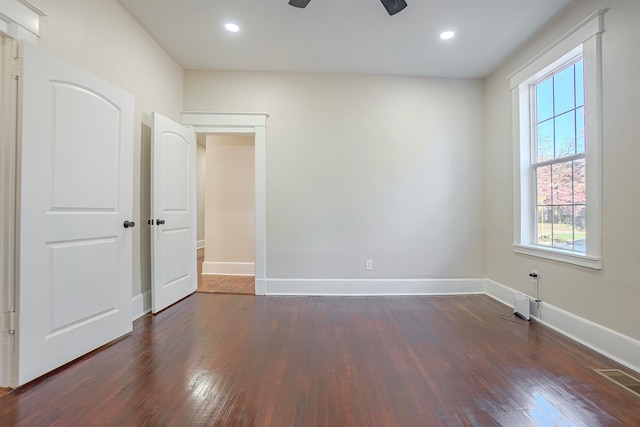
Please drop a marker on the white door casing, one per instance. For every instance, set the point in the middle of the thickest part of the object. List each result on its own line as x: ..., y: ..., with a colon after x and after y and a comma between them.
x: 173, y: 210
x: 243, y: 124
x: 76, y: 187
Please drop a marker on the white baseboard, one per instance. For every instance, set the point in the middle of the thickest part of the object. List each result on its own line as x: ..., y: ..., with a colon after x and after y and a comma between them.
x: 229, y: 268
x: 199, y: 244
x: 141, y: 304
x: 621, y: 348
x: 371, y: 287
x: 261, y: 286
x: 500, y: 292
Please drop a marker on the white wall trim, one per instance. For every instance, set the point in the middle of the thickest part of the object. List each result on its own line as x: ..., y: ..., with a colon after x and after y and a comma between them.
x: 248, y: 124
x: 373, y: 287
x: 590, y: 26
x: 583, y: 41
x: 8, y: 236
x: 233, y: 120
x: 200, y: 244
x: 559, y: 255
x: 228, y: 268
x: 614, y: 345
x: 20, y: 20
x: 141, y: 304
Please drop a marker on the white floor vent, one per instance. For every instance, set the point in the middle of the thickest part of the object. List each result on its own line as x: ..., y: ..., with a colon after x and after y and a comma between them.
x: 521, y: 306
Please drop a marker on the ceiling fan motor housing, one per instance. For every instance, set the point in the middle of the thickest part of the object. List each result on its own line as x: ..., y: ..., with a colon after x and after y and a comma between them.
x: 394, y: 6
x: 299, y: 3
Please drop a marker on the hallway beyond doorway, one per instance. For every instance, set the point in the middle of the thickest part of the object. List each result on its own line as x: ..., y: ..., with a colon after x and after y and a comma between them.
x: 216, y: 284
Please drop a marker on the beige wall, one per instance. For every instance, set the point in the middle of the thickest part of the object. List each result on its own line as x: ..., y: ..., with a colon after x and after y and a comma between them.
x: 386, y: 168
x: 201, y: 178
x: 230, y: 199
x: 101, y: 37
x: 608, y: 297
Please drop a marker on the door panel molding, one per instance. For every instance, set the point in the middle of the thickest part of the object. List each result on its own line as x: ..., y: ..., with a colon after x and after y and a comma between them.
x: 247, y: 124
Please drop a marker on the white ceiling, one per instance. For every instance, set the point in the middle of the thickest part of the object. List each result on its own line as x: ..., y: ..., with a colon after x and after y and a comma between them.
x: 346, y: 36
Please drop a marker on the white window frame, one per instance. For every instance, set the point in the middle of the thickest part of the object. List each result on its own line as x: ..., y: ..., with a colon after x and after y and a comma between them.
x: 583, y: 40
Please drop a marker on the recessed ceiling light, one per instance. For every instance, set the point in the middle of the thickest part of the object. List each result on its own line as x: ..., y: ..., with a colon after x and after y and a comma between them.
x: 230, y: 26
x: 446, y: 35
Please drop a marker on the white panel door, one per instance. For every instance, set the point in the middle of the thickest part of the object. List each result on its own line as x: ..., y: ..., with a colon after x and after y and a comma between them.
x: 76, y: 187
x: 173, y: 207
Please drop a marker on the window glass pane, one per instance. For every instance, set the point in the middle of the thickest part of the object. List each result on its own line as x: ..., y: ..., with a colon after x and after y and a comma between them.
x: 543, y: 184
x: 561, y: 182
x: 580, y: 145
x: 579, y: 83
x: 563, y: 91
x: 544, y: 231
x: 544, y: 100
x: 579, y: 189
x: 580, y: 235
x: 545, y: 141
x: 563, y: 227
x: 565, y: 133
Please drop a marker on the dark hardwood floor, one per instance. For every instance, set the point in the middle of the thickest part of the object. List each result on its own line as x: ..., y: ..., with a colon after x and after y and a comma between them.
x: 214, y: 284
x: 229, y: 360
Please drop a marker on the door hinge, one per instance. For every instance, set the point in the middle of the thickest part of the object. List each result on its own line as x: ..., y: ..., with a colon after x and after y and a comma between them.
x: 15, y: 67
x: 11, y: 322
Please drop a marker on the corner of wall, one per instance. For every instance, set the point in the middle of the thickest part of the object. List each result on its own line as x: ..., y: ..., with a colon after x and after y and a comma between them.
x: 141, y: 305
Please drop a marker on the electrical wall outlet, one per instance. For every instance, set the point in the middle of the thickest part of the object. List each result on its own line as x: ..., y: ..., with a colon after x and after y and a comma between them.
x: 533, y: 276
x: 368, y: 264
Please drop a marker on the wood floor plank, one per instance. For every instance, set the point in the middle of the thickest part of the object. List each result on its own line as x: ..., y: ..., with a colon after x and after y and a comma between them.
x: 219, y: 284
x: 222, y: 284
x: 231, y: 360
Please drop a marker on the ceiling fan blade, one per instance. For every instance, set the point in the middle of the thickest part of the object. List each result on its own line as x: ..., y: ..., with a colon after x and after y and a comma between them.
x: 392, y: 6
x: 299, y: 3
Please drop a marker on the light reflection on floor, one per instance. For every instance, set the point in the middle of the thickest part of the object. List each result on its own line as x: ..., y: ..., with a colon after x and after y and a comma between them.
x: 546, y: 414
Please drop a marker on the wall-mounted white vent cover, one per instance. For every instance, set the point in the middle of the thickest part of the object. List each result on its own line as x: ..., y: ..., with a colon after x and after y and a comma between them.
x: 521, y: 306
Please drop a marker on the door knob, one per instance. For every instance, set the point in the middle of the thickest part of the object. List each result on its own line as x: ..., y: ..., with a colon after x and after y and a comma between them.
x: 159, y: 221
x: 129, y: 224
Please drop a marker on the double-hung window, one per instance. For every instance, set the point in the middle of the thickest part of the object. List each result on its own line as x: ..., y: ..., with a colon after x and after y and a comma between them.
x: 558, y: 158
x: 557, y: 140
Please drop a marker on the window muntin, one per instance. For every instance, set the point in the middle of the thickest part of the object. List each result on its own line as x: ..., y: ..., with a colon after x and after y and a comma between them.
x: 558, y: 158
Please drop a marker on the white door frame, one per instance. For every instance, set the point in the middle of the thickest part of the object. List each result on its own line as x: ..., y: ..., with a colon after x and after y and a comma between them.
x: 244, y: 124
x: 19, y: 20
x: 8, y: 188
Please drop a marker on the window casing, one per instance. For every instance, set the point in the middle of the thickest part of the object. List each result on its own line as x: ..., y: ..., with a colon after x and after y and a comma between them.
x: 557, y: 149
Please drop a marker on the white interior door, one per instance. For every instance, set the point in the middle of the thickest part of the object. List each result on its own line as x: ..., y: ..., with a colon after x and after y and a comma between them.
x: 76, y: 187
x: 173, y: 206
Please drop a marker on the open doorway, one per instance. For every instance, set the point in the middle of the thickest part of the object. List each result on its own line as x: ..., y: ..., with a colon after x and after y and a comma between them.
x: 253, y: 124
x: 226, y: 213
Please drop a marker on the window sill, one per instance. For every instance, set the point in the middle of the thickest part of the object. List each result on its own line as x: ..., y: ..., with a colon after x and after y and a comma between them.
x: 559, y: 255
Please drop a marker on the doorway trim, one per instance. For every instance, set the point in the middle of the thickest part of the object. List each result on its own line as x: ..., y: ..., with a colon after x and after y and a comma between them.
x: 20, y: 20
x: 243, y: 124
